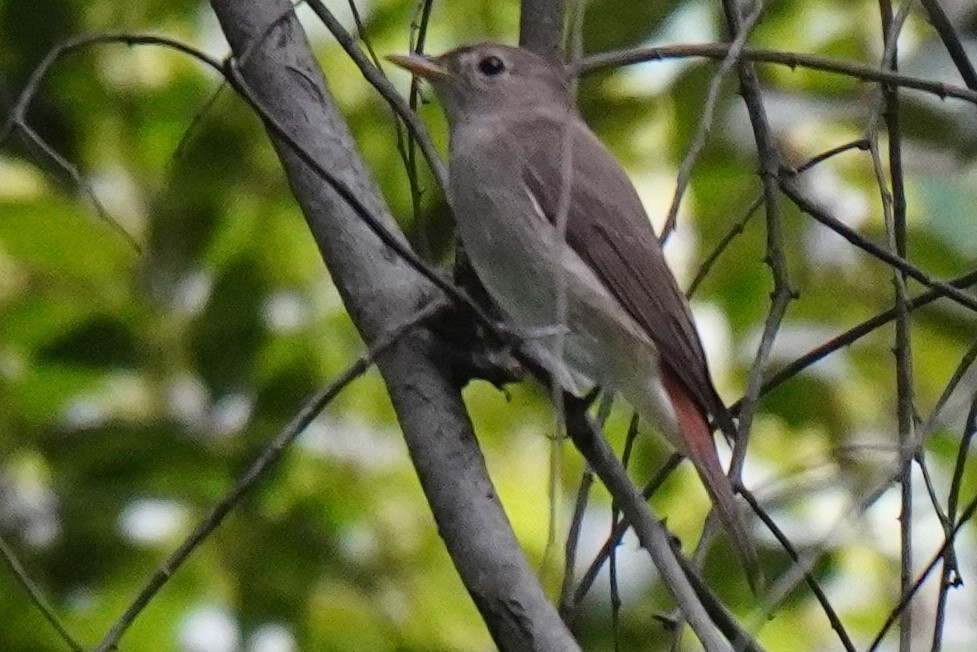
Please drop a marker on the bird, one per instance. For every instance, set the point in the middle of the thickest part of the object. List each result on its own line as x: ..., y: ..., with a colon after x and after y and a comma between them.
x: 559, y: 238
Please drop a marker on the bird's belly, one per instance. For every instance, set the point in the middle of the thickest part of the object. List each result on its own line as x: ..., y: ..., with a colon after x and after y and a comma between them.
x: 548, y: 293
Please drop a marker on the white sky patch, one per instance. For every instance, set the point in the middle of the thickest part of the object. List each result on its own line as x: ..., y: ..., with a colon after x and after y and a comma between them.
x: 355, y: 442
x: 84, y: 414
x: 231, y: 413
x: 187, y: 400
x: 192, y: 292
x: 139, y: 67
x: 794, y: 340
x: 843, y: 201
x: 692, y: 23
x: 634, y: 568
x: 272, y: 637
x: 318, y: 33
x: 834, y: 519
x: 680, y: 251
x: 120, y: 395
x: 149, y: 521
x: 121, y: 197
x: 285, y: 311
x: 209, y: 35
x: 360, y: 543
x: 655, y: 189
x: 812, y: 520
x: 19, y: 180
x: 209, y: 629
x: 27, y: 500
x: 715, y: 334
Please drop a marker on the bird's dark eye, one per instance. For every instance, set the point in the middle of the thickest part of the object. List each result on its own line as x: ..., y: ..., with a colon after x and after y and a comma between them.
x: 491, y: 66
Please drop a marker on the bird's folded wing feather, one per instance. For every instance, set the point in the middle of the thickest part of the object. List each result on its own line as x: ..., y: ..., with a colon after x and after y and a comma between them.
x: 608, y: 228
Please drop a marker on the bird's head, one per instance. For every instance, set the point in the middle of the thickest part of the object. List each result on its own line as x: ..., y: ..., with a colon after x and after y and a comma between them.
x: 480, y: 80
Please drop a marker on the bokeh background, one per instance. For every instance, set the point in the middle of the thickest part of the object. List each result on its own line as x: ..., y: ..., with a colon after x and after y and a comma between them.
x: 137, y: 382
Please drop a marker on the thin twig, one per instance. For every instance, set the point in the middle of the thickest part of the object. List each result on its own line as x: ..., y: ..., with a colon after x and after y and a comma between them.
x: 854, y: 334
x: 950, y: 576
x: 805, y: 564
x: 615, y: 593
x: 789, y: 59
x: 567, y: 608
x: 375, y: 77
x: 17, y: 122
x: 931, y: 493
x: 418, y: 38
x: 347, y: 195
x: 406, y: 146
x: 966, y: 362
x: 259, y: 469
x: 949, y: 571
x: 821, y: 215
x: 197, y: 120
x: 37, y: 598
x: 652, y: 535
x: 809, y: 578
x: 69, y: 168
x: 567, y: 604
x: 738, y: 226
x: 232, y: 72
x: 776, y: 258
x: 951, y: 41
x: 705, y: 120
x: 965, y: 516
x: 590, y: 576
x: 894, y: 213
x: 861, y: 144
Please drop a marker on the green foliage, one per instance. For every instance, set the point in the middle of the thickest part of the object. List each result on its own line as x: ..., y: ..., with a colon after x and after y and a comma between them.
x: 153, y: 377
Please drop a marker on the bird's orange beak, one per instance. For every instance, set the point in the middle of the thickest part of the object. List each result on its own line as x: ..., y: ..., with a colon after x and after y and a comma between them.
x: 420, y: 65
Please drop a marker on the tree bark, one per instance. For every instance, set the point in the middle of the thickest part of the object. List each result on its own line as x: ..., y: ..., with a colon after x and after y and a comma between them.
x: 541, y: 27
x: 380, y: 290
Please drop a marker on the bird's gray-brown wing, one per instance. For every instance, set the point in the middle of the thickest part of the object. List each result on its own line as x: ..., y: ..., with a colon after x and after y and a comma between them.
x: 606, y: 225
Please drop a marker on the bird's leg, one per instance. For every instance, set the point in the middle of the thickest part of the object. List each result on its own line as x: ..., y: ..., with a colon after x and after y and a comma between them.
x: 470, y: 351
x: 465, y: 345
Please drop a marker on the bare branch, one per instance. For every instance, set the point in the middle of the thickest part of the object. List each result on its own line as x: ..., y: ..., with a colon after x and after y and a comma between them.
x: 620, y: 528
x: 738, y: 226
x: 965, y: 516
x: 419, y: 27
x: 811, y: 208
x: 776, y: 259
x: 705, y: 121
x: 894, y: 212
x: 950, y: 577
x: 809, y: 579
x: 541, y: 27
x: 388, y: 235
x: 375, y: 76
x: 736, y: 229
x: 941, y: 23
x: 789, y: 59
x: 258, y: 469
x: 652, y: 535
x: 567, y: 607
x: 855, y: 333
x: 37, y: 598
x: 376, y: 288
x: 16, y: 121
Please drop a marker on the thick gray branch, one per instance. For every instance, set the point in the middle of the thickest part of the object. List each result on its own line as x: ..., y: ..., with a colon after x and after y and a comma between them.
x: 379, y: 289
x: 541, y: 27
